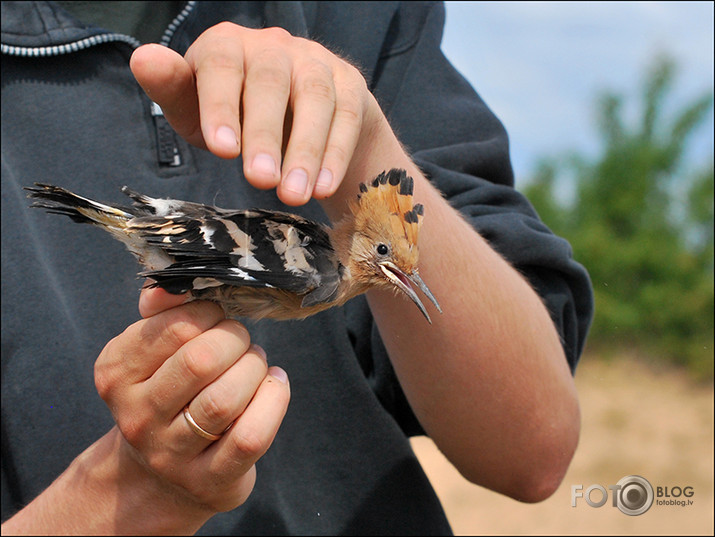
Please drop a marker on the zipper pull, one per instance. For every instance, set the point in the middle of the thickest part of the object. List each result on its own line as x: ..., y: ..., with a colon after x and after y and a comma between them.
x: 166, y: 147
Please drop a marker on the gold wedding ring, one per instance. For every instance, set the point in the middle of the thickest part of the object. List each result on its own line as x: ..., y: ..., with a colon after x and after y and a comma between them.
x: 203, y: 433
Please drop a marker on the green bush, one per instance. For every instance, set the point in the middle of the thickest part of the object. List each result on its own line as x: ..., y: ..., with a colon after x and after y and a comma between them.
x: 641, y: 221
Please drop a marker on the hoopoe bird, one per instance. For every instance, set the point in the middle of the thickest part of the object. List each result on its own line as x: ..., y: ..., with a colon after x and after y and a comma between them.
x: 265, y: 264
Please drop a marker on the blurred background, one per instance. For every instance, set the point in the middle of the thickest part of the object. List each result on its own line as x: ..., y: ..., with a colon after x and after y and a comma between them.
x: 609, y: 109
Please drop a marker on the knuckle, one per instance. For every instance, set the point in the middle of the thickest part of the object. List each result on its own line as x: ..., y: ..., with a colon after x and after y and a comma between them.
x: 177, y: 328
x: 134, y: 428
x: 160, y: 462
x: 319, y: 88
x: 239, y: 331
x: 220, y: 61
x: 159, y: 397
x: 353, y: 86
x: 338, y: 152
x: 105, y: 376
x: 248, y: 443
x: 224, y: 34
x: 182, y: 324
x: 316, y: 80
x: 315, y: 50
x: 270, y: 73
x: 226, y: 29
x: 307, y: 150
x: 276, y: 34
x: 353, y: 75
x: 103, y: 381
x: 214, y: 404
x: 349, y: 112
x: 198, y: 359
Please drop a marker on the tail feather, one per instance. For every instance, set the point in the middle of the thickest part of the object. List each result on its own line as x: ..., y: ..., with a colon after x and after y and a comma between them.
x: 57, y: 200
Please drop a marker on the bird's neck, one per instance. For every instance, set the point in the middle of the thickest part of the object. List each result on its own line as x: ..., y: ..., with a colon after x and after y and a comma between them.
x: 341, y: 237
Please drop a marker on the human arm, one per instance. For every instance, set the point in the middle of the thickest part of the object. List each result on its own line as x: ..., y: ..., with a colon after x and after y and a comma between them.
x: 521, y: 363
x: 488, y: 381
x: 151, y: 474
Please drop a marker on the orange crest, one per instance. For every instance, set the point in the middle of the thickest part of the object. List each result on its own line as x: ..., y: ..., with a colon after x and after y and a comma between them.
x: 390, y: 193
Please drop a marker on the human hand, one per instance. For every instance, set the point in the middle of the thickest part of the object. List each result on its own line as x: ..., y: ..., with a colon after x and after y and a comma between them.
x: 152, y: 473
x: 189, y: 354
x: 296, y: 112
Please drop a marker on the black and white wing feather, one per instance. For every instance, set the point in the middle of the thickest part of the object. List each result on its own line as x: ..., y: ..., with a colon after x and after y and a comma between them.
x: 189, y: 246
x: 253, y: 248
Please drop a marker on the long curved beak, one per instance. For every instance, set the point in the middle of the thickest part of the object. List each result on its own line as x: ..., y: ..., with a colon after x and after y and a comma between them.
x: 403, y: 282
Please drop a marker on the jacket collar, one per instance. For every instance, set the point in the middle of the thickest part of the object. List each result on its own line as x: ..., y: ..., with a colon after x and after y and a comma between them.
x: 41, y: 24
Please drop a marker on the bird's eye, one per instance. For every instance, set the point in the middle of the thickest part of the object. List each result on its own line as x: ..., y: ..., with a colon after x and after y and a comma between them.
x: 382, y: 249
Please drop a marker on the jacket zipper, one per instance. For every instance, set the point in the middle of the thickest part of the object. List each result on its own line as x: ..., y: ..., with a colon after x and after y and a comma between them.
x: 178, y: 20
x: 167, y: 148
x: 76, y: 46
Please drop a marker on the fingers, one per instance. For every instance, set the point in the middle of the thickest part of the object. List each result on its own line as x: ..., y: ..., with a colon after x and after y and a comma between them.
x: 347, y: 125
x: 194, y: 366
x: 190, y: 356
x: 265, y: 101
x: 254, y: 430
x: 224, y: 470
x: 168, y: 80
x: 136, y: 354
x: 313, y: 105
x: 216, y: 59
x: 216, y: 406
x: 326, y: 102
x: 291, y: 108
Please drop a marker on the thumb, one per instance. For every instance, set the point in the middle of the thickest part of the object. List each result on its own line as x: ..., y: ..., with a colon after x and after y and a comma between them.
x: 154, y: 300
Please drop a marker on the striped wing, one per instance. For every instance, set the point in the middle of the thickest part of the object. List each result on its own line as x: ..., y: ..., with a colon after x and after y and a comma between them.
x: 254, y: 248
x: 189, y: 246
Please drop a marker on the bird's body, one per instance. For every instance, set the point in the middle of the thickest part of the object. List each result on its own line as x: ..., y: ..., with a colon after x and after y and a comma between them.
x: 259, y: 263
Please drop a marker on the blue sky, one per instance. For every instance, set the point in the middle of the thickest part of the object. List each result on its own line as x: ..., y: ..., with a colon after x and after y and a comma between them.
x: 540, y: 65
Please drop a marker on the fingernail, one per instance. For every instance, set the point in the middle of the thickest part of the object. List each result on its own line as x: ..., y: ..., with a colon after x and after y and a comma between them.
x: 296, y: 181
x: 259, y: 350
x: 264, y: 164
x: 278, y: 373
x: 226, y: 137
x: 325, y: 180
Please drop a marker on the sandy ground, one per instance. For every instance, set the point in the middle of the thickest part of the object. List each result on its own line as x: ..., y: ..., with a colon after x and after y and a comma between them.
x: 636, y: 421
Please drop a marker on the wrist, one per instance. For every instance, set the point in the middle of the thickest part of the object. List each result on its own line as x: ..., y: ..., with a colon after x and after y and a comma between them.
x: 141, y: 501
x: 124, y: 496
x: 377, y: 150
x: 106, y: 490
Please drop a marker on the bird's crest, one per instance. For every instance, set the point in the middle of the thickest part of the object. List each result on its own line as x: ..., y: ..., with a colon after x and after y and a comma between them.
x: 390, y: 193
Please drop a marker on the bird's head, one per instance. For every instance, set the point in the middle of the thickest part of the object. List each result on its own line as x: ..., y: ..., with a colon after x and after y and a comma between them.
x: 383, y: 246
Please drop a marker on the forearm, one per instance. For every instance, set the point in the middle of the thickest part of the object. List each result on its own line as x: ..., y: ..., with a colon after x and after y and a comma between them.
x: 488, y: 380
x: 99, y: 495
